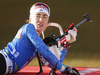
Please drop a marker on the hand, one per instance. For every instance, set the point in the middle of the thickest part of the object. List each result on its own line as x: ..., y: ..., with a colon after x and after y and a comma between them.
x: 73, y: 34
x: 66, y: 45
x: 70, y: 71
x: 67, y: 70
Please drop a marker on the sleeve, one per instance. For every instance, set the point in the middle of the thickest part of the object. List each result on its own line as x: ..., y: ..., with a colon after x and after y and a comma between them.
x: 42, y: 48
x: 63, y: 54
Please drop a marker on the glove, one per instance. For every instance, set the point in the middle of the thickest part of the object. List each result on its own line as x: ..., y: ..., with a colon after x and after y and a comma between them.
x: 67, y: 70
x: 70, y: 71
x: 66, y: 45
x: 73, y: 34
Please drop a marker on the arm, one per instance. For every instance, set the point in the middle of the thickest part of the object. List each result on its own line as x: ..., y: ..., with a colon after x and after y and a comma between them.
x: 42, y: 48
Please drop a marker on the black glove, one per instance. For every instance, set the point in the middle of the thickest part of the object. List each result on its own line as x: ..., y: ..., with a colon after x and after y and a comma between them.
x: 48, y: 40
x: 70, y: 71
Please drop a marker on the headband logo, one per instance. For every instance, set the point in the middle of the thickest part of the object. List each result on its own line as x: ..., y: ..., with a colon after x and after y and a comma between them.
x: 40, y: 7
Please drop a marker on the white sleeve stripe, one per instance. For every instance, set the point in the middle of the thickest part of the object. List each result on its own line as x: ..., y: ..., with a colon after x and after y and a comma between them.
x: 62, y: 68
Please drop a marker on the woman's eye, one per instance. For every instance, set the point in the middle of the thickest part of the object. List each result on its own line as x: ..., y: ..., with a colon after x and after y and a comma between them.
x: 45, y: 17
x: 37, y: 16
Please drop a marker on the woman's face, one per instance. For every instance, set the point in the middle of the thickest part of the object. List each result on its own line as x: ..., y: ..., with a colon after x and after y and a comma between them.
x: 40, y: 21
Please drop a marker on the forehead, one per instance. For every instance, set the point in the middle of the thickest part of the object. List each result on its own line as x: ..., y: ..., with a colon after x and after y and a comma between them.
x: 41, y: 13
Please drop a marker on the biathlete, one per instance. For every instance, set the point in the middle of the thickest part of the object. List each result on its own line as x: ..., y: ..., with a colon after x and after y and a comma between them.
x: 22, y: 49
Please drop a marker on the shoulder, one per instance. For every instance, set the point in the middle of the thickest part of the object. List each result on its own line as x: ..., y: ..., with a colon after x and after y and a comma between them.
x: 29, y: 26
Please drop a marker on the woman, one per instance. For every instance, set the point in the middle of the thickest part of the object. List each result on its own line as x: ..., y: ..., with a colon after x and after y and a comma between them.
x: 22, y: 49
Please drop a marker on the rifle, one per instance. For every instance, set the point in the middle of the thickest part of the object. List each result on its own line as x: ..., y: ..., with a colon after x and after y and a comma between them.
x: 56, y: 41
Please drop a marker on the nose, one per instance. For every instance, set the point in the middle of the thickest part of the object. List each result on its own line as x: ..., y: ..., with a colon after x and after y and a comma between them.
x: 40, y: 19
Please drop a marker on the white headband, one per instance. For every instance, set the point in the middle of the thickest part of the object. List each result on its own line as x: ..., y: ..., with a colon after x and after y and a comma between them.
x: 36, y: 9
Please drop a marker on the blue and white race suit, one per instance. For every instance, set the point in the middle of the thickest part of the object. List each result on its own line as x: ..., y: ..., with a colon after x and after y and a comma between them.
x: 22, y: 49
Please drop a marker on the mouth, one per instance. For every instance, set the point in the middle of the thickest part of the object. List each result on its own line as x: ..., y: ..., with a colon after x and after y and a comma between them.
x: 40, y: 25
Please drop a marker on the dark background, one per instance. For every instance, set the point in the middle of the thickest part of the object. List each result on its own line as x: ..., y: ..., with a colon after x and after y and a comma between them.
x: 14, y: 13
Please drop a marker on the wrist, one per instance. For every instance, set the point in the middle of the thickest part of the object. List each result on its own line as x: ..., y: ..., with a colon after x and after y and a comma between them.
x: 62, y: 68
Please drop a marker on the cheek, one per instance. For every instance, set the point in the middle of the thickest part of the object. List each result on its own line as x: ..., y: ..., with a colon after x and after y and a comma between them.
x: 33, y: 21
x: 46, y: 21
x: 45, y: 25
